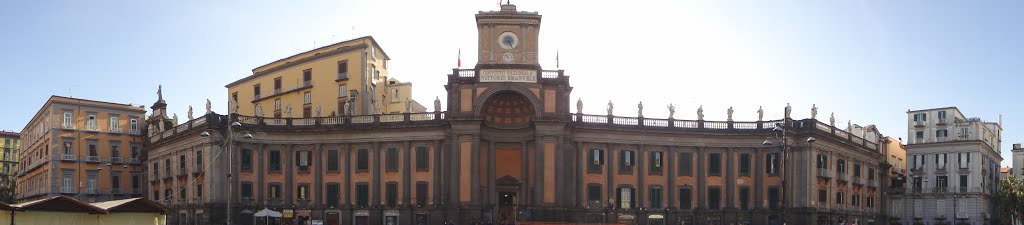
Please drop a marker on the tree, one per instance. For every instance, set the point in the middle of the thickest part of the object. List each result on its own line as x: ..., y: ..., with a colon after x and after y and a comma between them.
x: 1010, y: 200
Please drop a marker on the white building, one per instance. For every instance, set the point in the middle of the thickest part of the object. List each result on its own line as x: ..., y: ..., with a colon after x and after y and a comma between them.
x: 954, y: 169
x: 1018, y: 161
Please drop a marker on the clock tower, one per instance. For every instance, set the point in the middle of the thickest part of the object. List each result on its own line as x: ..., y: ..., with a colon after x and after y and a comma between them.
x: 508, y: 38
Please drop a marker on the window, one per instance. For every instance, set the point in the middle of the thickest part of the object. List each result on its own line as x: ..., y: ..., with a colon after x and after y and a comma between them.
x: 855, y: 200
x: 302, y: 193
x: 69, y: 181
x: 302, y: 160
x: 941, y: 133
x: 91, y: 122
x: 133, y: 124
x: 362, y: 160
x: 917, y: 184
x: 115, y: 182
x: 274, y: 191
x: 391, y: 194
x: 626, y: 164
x: 626, y: 196
x: 307, y: 77
x: 920, y: 117
x: 115, y: 152
x: 277, y: 85
x: 919, y: 135
x: 686, y: 198
x: 246, y: 159
x: 822, y: 197
x: 114, y: 124
x: 68, y: 123
x: 181, y: 165
x: 421, y: 193
x: 136, y: 181
x: 91, y: 182
x: 342, y: 91
x: 822, y: 161
x: 199, y: 160
x: 374, y: 73
x: 744, y: 164
x: 871, y: 173
x: 332, y: 160
x: 394, y: 95
x: 342, y: 70
x: 963, y: 183
x: 373, y: 53
x: 744, y: 198
x: 655, y: 164
x: 199, y: 191
x: 156, y: 195
x: 840, y: 167
x: 333, y: 193
x: 256, y: 92
x: 274, y: 161
x: 714, y: 197
x: 686, y: 164
x: 965, y: 159
x: 167, y: 194
x: 941, y: 183
x: 596, y: 161
x: 93, y: 152
x: 715, y: 164
x: 306, y: 98
x: 773, y: 198
x: 839, y: 198
x: 156, y: 170
x: 362, y: 194
x: 655, y: 197
x: 772, y: 165
x: 869, y: 202
x: 856, y: 170
x: 167, y: 167
x: 594, y: 195
x: 391, y: 160
x: 422, y: 159
x: 277, y: 104
x: 963, y: 133
x: 135, y: 153
x: 246, y: 190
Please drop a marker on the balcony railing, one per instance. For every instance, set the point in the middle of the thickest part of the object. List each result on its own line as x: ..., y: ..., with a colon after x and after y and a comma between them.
x: 857, y: 180
x: 917, y: 190
x: 115, y: 159
x: 962, y: 189
x: 841, y: 176
x: 824, y: 173
x: 68, y: 157
x: 940, y: 189
x: 342, y: 76
x: 134, y: 131
x: 92, y: 190
x: 68, y: 126
x: 92, y: 158
x: 67, y: 189
x: 114, y: 130
x: 92, y: 127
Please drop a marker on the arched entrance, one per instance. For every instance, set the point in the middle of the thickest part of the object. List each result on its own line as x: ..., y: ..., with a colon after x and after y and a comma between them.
x: 508, y: 199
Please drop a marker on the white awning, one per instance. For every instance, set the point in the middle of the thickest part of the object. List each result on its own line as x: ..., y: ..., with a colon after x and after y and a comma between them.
x: 267, y: 212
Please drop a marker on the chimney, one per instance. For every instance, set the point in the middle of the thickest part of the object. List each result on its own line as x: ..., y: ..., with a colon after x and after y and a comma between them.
x: 1016, y: 146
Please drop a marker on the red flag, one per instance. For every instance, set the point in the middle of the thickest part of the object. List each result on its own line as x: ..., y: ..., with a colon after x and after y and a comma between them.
x: 460, y: 58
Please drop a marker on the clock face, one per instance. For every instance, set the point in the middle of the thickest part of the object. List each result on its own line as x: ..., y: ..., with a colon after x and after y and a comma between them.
x: 507, y: 58
x: 508, y: 40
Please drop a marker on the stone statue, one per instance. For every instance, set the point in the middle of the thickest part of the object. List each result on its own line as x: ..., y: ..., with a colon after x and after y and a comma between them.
x: 288, y: 110
x: 190, y: 118
x: 671, y: 111
x: 789, y: 110
x: 849, y: 126
x: 579, y: 106
x: 160, y: 91
x: 760, y: 113
x: 234, y: 106
x: 610, y: 107
x: 408, y: 105
x: 814, y: 111
x: 175, y: 119
x: 832, y: 119
x: 640, y: 109
x: 437, y: 104
x: 259, y: 110
x: 348, y: 108
x: 730, y: 113
x: 209, y: 107
x: 317, y: 110
x: 700, y: 112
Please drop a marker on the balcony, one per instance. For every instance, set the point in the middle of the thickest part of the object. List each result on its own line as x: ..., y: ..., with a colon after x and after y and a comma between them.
x: 92, y: 190
x: 277, y: 91
x: 857, y: 180
x: 940, y: 189
x: 134, y: 131
x: 92, y: 127
x: 941, y: 122
x: 917, y: 190
x: 115, y: 159
x: 92, y: 158
x: 962, y: 189
x: 872, y: 183
x: 824, y: 173
x: 68, y: 126
x: 342, y: 76
x: 67, y: 189
x: 918, y: 123
x: 114, y: 130
x: 197, y: 170
x: 256, y: 96
x: 895, y: 190
x: 841, y: 176
x: 133, y: 160
x: 67, y: 157
x: 182, y: 173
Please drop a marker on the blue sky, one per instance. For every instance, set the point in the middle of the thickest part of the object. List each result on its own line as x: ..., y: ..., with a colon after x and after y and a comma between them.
x: 867, y: 61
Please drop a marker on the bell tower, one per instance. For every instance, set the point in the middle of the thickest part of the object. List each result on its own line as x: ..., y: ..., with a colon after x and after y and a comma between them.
x: 508, y: 38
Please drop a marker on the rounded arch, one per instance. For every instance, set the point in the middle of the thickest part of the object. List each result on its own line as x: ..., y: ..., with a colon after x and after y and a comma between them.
x: 508, y: 109
x: 479, y: 103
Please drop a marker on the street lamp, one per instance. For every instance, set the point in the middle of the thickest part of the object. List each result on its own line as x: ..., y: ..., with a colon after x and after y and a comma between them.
x: 780, y: 133
x: 227, y: 147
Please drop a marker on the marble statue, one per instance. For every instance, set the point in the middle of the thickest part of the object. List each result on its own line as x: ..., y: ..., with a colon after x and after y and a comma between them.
x: 209, y: 107
x: 318, y: 110
x: 288, y: 110
x: 814, y: 111
x: 730, y: 113
x: 610, y: 107
x: 190, y: 118
x: 760, y: 113
x: 579, y: 106
x: 700, y: 112
x: 671, y: 111
x: 640, y: 109
x: 832, y: 119
x: 437, y: 104
x: 408, y: 105
x: 348, y: 109
x: 175, y: 118
x: 789, y: 110
x: 234, y: 106
x: 160, y: 91
x: 849, y: 126
x: 259, y: 110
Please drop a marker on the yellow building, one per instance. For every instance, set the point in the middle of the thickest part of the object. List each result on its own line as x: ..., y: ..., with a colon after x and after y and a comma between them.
x: 322, y: 81
x: 9, y: 158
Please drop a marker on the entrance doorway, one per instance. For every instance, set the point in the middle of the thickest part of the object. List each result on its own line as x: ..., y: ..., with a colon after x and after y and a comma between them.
x: 507, y: 203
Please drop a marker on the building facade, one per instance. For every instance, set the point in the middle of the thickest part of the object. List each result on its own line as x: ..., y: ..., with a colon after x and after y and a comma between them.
x: 1018, y: 161
x: 508, y: 147
x: 954, y: 169
x: 896, y: 177
x: 345, y: 78
x: 89, y: 150
x: 9, y: 161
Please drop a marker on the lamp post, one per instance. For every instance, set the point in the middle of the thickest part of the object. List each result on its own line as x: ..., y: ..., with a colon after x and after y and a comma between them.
x: 781, y: 139
x: 226, y: 145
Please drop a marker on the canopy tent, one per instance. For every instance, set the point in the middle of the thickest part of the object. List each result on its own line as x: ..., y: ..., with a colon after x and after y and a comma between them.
x: 267, y: 213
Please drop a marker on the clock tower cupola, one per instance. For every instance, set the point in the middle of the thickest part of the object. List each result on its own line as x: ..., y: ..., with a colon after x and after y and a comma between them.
x: 508, y: 38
